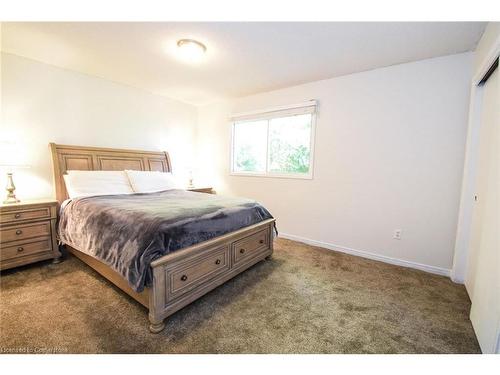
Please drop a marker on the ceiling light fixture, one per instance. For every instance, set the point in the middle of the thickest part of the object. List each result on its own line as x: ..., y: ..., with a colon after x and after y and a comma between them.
x: 191, y: 50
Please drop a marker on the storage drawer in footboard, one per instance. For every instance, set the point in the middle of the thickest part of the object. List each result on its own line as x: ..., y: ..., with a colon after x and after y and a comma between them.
x: 249, y: 247
x: 182, y: 277
x: 187, y: 275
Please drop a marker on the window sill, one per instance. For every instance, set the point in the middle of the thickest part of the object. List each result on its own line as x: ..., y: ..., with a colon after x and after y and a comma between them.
x: 308, y: 176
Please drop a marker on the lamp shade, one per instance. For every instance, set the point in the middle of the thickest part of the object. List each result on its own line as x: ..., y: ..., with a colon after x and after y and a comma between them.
x: 12, y: 155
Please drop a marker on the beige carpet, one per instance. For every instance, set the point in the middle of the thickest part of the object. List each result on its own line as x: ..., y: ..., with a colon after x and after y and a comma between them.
x: 305, y: 300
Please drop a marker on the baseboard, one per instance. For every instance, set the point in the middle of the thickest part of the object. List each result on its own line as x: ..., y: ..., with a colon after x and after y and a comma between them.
x: 455, y: 278
x: 367, y: 254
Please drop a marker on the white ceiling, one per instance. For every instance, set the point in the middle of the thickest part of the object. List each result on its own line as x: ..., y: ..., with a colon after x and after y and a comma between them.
x: 242, y: 58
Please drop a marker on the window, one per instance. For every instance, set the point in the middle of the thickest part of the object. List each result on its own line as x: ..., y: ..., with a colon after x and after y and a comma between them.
x: 275, y: 143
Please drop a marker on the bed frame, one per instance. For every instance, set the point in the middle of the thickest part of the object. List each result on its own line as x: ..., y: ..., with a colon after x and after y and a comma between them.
x: 185, y: 275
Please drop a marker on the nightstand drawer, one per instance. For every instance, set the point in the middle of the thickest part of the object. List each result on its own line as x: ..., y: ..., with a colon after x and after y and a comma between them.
x: 35, y: 246
x: 24, y: 231
x: 18, y: 215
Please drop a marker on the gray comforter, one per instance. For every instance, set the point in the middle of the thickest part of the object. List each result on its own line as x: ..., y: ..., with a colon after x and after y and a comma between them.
x: 128, y: 232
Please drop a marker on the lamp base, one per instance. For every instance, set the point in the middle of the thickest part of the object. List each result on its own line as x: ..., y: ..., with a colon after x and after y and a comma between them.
x: 11, y: 197
x: 11, y: 200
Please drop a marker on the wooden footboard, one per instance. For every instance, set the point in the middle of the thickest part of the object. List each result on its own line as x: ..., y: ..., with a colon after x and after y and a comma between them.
x: 183, y: 276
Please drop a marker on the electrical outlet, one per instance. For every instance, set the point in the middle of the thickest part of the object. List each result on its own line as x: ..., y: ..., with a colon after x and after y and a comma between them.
x: 397, y: 234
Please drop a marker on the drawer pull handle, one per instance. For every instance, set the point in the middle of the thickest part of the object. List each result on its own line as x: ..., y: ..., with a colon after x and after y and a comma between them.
x: 17, y: 216
x: 184, y: 277
x: 217, y: 261
x: 19, y: 231
x: 242, y: 251
x: 20, y: 249
x: 261, y: 241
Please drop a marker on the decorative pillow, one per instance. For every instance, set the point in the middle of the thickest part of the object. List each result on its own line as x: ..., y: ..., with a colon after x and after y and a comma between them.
x: 87, y: 183
x: 149, y: 181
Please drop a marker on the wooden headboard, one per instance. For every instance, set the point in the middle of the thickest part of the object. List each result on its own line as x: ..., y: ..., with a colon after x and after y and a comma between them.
x: 83, y: 158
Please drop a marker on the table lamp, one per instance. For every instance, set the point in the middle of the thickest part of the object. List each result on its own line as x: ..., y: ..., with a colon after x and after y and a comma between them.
x: 9, y: 162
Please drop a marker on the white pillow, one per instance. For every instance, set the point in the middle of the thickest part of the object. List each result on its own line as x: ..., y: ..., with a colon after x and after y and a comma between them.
x: 86, y: 183
x: 150, y: 181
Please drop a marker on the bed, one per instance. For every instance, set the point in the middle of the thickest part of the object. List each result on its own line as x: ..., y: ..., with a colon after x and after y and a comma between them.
x: 180, y: 276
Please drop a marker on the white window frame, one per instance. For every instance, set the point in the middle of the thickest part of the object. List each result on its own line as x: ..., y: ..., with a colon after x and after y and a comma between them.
x: 268, y: 114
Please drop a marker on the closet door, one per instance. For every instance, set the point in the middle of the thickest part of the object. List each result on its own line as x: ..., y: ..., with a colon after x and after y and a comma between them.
x: 484, y: 262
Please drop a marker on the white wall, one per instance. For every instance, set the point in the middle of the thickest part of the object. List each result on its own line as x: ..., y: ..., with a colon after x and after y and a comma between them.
x: 389, y: 155
x: 42, y: 104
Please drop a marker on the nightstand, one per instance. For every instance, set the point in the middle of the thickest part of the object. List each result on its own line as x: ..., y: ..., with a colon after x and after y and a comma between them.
x: 207, y: 190
x: 28, y: 233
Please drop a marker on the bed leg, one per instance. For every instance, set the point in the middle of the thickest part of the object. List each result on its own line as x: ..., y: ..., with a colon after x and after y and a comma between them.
x: 156, y: 326
x: 269, y: 257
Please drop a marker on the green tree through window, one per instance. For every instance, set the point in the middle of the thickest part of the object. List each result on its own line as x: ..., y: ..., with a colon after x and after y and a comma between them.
x: 279, y: 146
